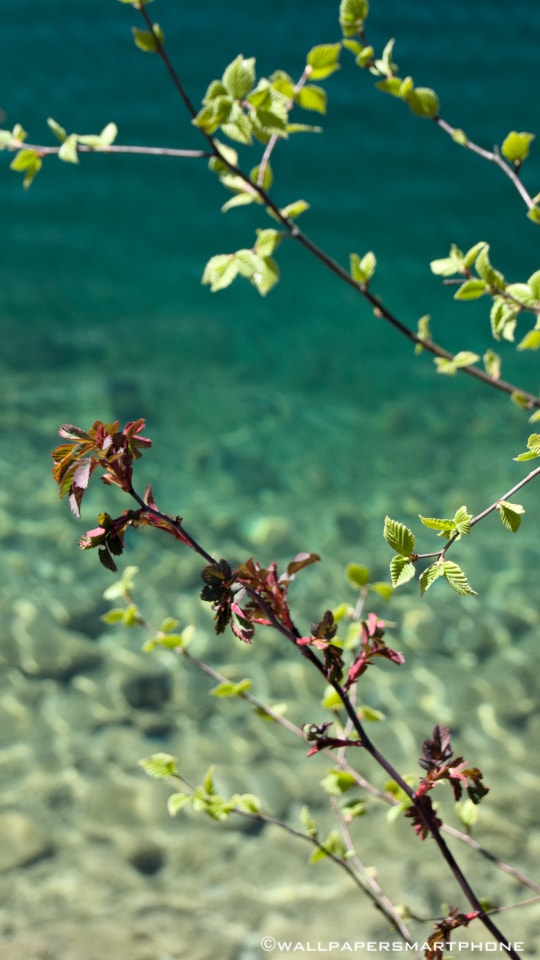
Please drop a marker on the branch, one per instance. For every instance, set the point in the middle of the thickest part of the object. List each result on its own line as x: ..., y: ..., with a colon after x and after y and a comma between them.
x: 492, y: 156
x: 530, y: 400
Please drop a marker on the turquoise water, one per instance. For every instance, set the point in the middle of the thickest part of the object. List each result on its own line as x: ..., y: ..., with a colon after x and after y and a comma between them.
x: 292, y: 422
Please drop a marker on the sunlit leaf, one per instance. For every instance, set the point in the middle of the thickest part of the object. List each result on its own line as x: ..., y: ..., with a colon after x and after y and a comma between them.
x: 510, y: 514
x: 398, y: 537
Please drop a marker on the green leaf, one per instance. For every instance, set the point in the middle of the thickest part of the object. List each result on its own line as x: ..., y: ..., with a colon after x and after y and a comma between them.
x: 323, y: 60
x: 534, y: 214
x: 357, y: 574
x: 515, y: 147
x: 239, y: 77
x: 176, y: 801
x: 230, y: 689
x: 365, y: 57
x: 533, y: 448
x: 68, y: 151
x: 352, y: 14
x: 237, y: 126
x: 423, y: 332
x: 423, y: 102
x: 333, y: 844
x: 473, y: 252
x: 429, y: 575
x: 311, y: 97
x: 27, y: 162
x: 371, y: 714
x: 534, y: 284
x: 267, y: 241
x: 215, y: 89
x: 460, y: 137
x: 391, y: 85
x: 445, y: 526
x: 338, y: 782
x: 240, y: 200
x: 265, y: 276
x: 447, y: 266
x: 58, y: 131
x: 362, y: 268
x: 220, y: 271
x: 149, y: 41
x: 122, y: 586
x: 449, y: 366
x: 331, y: 700
x: 307, y: 821
x: 531, y: 341
x: 485, y: 270
x: 246, y: 802
x: 113, y: 616
x: 401, y: 570
x: 503, y: 318
x: 294, y: 209
x: 522, y: 293
x: 471, y: 289
x: 457, y: 579
x: 462, y: 521
x: 510, y: 514
x: 383, y: 589
x: 492, y: 364
x: 160, y: 765
x: 398, y: 537
x: 101, y: 140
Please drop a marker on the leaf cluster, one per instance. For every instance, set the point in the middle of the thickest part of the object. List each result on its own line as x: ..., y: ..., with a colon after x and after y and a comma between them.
x: 508, y: 300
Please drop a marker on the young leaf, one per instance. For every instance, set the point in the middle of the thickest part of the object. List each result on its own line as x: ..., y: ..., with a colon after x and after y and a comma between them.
x: 401, y: 570
x: 149, y: 41
x: 311, y: 97
x: 471, y: 289
x: 160, y: 765
x: 447, y: 266
x: 58, y: 131
x: 462, y: 359
x: 27, y: 162
x: 510, y: 514
x: 68, y: 151
x: 398, y: 537
x: 357, y: 574
x: 462, y: 521
x: 492, y: 364
x: 323, y: 60
x: 531, y: 341
x: 362, y: 268
x: 533, y: 448
x: 230, y: 689
x: 485, y: 270
x: 239, y: 77
x: 429, y: 575
x: 423, y: 102
x: 515, y: 147
x: 176, y: 801
x: 220, y: 271
x: 308, y: 821
x: 338, y: 782
x: 457, y: 579
x: 352, y: 14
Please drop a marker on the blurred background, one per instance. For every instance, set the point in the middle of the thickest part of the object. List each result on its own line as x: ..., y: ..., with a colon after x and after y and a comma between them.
x: 294, y: 422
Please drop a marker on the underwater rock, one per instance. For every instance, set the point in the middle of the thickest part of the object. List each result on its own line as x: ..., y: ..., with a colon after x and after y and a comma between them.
x: 22, y: 842
x: 148, y: 858
x: 57, y: 657
x: 147, y: 691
